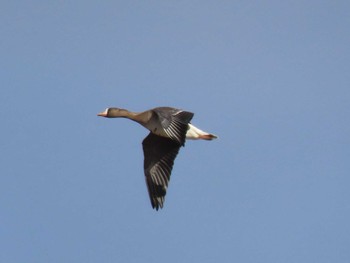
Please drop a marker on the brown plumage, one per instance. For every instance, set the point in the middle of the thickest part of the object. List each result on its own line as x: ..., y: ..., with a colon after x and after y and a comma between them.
x: 169, y: 128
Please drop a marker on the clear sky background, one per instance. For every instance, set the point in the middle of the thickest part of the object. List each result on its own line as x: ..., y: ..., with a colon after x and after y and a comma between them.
x: 270, y: 78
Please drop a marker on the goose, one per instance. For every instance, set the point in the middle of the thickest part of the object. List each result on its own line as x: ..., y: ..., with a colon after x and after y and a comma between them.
x: 169, y: 128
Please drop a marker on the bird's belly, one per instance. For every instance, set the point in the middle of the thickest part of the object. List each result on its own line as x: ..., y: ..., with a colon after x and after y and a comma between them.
x: 157, y: 130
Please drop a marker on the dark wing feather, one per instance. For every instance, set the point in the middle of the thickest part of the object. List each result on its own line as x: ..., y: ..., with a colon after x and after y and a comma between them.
x: 159, y: 153
x: 174, y: 122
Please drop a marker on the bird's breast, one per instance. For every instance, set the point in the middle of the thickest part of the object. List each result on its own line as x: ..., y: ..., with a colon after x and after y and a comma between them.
x: 156, y: 129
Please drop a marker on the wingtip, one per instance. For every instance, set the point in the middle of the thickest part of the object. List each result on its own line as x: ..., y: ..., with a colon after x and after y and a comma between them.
x: 156, y: 205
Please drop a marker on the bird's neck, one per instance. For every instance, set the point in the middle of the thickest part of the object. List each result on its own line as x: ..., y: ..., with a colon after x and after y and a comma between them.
x: 140, y: 117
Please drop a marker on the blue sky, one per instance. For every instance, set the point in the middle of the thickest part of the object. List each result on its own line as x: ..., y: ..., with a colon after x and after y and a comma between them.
x: 270, y: 78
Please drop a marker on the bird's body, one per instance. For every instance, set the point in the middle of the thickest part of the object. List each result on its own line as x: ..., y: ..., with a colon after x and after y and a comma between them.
x: 169, y: 128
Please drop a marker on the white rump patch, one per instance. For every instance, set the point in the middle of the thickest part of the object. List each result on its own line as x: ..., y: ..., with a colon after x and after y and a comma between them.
x: 193, y: 133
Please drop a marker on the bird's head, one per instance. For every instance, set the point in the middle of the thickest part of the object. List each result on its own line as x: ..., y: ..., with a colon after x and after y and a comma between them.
x: 112, y: 113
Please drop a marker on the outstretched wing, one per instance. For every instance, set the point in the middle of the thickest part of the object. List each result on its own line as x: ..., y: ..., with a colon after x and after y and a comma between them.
x: 174, y: 122
x: 159, y: 153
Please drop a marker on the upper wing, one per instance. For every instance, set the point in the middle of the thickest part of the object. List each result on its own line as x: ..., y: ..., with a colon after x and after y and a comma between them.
x: 159, y: 153
x: 174, y: 122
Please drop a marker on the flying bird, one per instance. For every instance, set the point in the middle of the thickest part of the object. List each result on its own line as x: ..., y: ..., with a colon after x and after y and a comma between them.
x: 169, y: 128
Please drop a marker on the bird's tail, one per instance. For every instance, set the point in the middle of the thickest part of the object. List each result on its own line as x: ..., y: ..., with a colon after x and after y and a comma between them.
x: 193, y: 133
